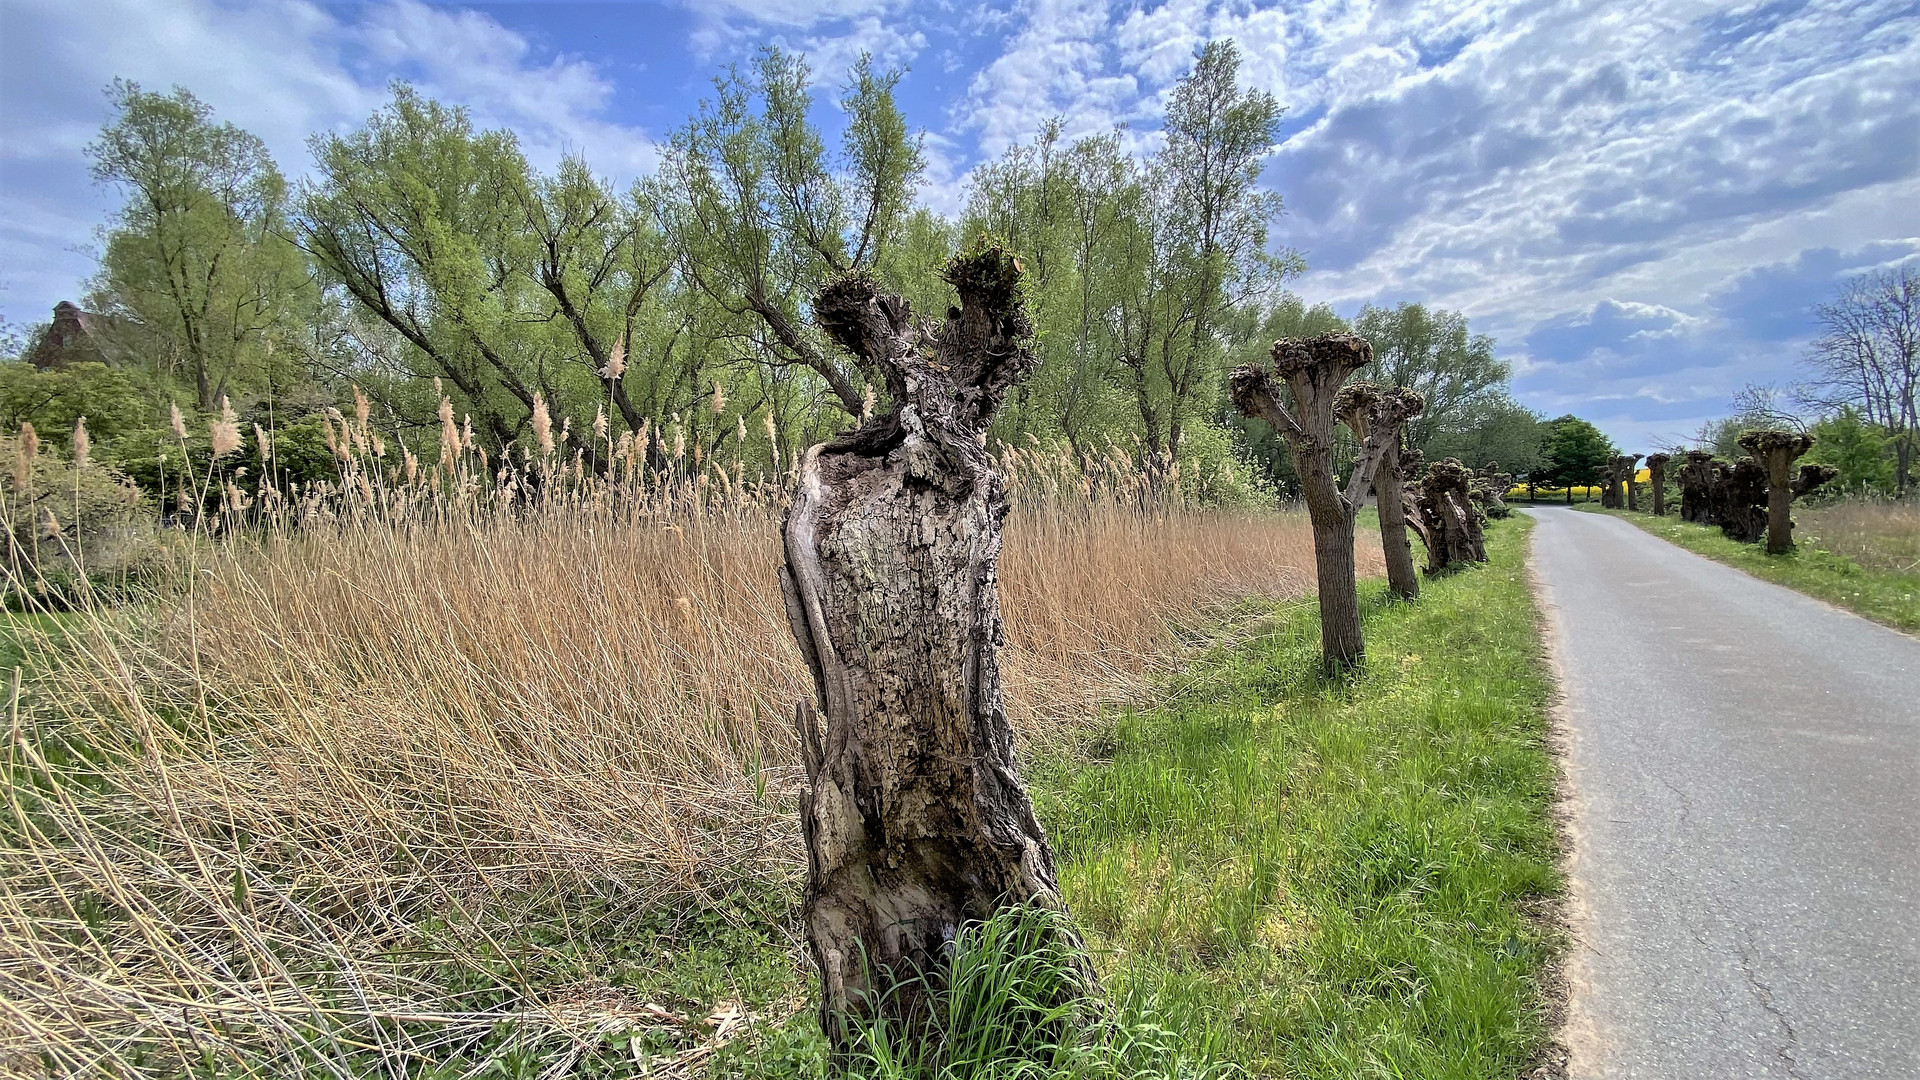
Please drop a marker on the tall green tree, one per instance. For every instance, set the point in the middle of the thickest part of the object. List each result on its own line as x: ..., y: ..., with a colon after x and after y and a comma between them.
x: 510, y: 286
x: 198, y: 254
x: 1434, y: 352
x: 761, y: 215
x: 1861, y: 450
x: 1198, y: 248
x: 1574, y: 454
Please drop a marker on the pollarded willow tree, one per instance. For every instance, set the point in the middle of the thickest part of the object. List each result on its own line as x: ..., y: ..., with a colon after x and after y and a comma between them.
x: 1657, y: 480
x: 916, y: 823
x: 1313, y: 371
x: 1368, y: 409
x: 1774, y: 452
x: 1620, y: 470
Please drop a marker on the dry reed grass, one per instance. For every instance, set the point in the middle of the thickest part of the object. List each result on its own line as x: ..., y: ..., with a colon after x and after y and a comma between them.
x: 1879, y: 534
x: 249, y: 827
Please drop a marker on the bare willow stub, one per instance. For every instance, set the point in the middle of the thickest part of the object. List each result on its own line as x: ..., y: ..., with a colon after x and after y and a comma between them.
x: 1377, y: 415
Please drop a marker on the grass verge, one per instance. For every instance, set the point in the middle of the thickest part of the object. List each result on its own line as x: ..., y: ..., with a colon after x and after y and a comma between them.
x: 1334, y: 881
x: 1883, y: 595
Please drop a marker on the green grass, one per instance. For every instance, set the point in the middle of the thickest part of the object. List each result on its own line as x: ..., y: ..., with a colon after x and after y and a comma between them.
x: 1885, y: 596
x: 1334, y: 881
x: 18, y: 629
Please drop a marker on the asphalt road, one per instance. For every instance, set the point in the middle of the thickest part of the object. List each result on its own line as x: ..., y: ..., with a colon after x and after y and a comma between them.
x: 1745, y: 765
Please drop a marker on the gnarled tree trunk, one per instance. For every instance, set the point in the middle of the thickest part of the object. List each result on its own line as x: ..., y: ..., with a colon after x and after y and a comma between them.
x: 1453, y: 523
x: 1313, y: 370
x: 1657, y: 480
x: 916, y: 823
x: 1631, y: 467
x: 1698, y: 478
x: 1774, y: 452
x: 1373, y: 413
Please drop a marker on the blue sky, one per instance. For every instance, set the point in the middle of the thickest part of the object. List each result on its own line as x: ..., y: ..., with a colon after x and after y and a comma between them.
x: 1639, y: 200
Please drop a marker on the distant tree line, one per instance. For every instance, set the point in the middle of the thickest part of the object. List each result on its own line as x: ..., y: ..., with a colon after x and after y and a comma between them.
x: 425, y: 257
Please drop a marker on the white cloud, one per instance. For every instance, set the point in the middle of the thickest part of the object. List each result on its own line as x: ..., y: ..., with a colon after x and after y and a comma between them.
x: 282, y: 69
x: 1061, y: 62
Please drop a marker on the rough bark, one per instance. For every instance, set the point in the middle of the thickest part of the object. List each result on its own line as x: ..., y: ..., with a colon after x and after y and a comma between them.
x: 1452, y: 524
x: 1751, y: 498
x: 1774, y: 452
x: 916, y: 823
x: 1374, y: 413
x: 1313, y: 370
x: 1698, y: 479
x: 1631, y: 467
x: 1619, y: 471
x: 1657, y: 480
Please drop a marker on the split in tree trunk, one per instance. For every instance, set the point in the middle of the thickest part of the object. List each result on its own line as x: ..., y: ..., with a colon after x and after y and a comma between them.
x: 916, y: 823
x: 1372, y: 412
x: 1313, y: 370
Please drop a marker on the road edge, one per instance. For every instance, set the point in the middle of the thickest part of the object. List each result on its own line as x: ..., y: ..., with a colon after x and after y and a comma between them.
x: 1570, y: 1036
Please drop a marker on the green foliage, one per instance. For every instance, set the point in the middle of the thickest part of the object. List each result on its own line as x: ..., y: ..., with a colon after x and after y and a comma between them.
x: 1861, y: 451
x: 1574, y: 453
x: 198, y: 262
x: 1010, y: 1005
x: 1504, y: 432
x: 428, y: 258
x: 68, y: 529
x: 1453, y: 368
x: 1142, y: 270
x: 112, y: 399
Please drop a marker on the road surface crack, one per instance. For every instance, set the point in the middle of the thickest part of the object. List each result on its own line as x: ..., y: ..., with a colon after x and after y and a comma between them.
x: 1763, y: 993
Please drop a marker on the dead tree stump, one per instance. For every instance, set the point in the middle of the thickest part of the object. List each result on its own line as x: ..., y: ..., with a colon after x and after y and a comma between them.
x: 1370, y: 412
x: 1452, y: 522
x: 1774, y: 452
x: 1313, y: 370
x: 1657, y: 480
x: 916, y: 823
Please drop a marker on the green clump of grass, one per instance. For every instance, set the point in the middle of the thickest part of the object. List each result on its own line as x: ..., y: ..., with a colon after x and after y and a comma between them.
x: 1010, y: 1003
x: 1885, y: 595
x: 1334, y: 879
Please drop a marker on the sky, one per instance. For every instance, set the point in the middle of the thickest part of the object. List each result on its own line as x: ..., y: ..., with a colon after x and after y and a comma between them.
x: 1641, y: 202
